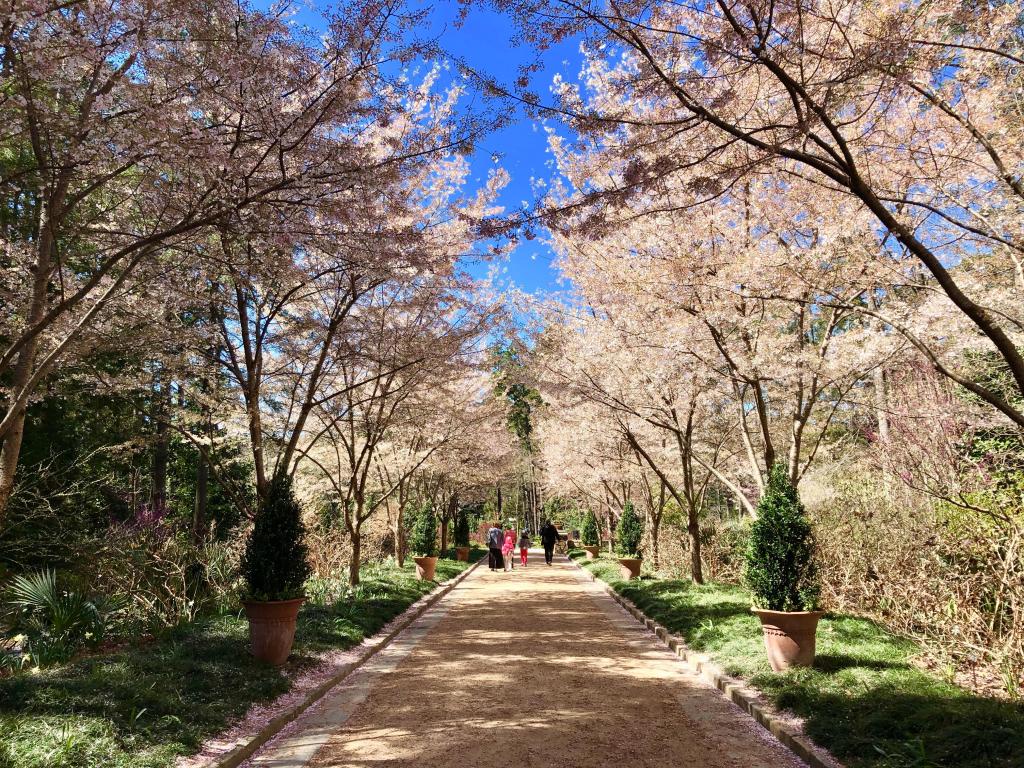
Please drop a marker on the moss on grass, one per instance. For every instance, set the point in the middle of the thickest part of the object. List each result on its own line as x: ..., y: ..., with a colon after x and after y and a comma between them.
x: 864, y: 699
x: 147, y: 704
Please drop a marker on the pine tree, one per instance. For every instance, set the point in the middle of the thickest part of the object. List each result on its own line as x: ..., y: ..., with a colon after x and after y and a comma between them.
x: 780, y: 571
x: 629, y: 533
x: 274, y: 564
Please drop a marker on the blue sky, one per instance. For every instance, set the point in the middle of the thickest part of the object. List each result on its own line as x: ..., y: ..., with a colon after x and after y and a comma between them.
x: 484, y: 41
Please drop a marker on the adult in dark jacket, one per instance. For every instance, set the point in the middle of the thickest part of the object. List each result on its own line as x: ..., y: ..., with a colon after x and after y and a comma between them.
x: 495, y: 538
x: 548, y: 537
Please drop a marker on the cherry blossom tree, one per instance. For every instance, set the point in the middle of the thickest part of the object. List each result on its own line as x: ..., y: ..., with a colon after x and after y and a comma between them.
x: 906, y: 114
x: 410, y: 343
x: 134, y: 132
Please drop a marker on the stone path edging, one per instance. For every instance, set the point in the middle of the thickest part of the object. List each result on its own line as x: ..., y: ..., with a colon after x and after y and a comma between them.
x: 247, y: 748
x: 732, y: 688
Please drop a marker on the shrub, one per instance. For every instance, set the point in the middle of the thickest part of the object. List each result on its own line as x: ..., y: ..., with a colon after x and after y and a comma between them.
x: 423, y: 540
x: 55, y: 621
x: 274, y: 564
x: 629, y: 533
x: 590, y: 535
x: 780, y: 571
x: 461, y: 533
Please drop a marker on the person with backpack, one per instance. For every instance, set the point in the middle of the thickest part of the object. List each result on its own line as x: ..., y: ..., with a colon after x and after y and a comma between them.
x: 495, y: 538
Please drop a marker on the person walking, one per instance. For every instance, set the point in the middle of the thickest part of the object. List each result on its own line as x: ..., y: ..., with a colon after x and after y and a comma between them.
x: 548, y: 537
x: 508, y: 549
x: 495, y: 537
x: 524, y: 547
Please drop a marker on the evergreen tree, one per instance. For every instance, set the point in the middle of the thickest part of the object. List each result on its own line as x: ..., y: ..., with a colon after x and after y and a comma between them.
x: 629, y: 533
x: 461, y: 533
x: 780, y: 571
x: 423, y: 541
x: 274, y: 564
x: 590, y: 534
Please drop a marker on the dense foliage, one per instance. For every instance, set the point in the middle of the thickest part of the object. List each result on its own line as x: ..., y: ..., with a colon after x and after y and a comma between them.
x: 274, y: 564
x: 781, y: 571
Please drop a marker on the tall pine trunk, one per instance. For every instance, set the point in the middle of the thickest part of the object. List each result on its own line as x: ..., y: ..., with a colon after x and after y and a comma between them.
x: 161, y: 407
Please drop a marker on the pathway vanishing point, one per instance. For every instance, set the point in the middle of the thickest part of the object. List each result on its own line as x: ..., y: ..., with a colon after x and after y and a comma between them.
x: 538, y: 667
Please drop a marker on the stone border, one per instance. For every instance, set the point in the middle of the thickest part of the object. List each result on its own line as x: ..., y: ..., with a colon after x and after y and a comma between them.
x: 734, y: 689
x: 246, y: 749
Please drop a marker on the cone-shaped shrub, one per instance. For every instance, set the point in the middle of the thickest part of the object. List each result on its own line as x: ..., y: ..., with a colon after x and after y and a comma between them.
x: 780, y: 571
x: 423, y: 540
x: 629, y: 533
x: 461, y: 533
x: 274, y: 564
x: 590, y: 534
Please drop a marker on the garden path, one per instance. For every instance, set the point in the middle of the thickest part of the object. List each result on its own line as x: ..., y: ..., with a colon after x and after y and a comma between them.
x: 536, y: 667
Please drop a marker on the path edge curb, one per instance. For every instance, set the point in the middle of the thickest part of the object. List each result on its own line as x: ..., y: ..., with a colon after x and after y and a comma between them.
x: 732, y: 688
x: 243, y: 751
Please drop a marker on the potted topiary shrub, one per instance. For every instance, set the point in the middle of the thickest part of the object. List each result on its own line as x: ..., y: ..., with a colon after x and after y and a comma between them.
x: 423, y: 542
x: 275, y: 569
x: 782, y: 575
x: 627, y: 542
x: 591, y: 536
x: 462, y: 536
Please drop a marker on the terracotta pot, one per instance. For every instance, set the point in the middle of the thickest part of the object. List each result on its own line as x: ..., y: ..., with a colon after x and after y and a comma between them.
x: 272, y: 628
x: 629, y: 567
x: 592, y: 552
x: 425, y: 568
x: 789, y: 637
x: 462, y: 554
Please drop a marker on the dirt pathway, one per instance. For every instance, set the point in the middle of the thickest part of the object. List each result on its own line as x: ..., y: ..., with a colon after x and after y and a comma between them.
x: 536, y: 667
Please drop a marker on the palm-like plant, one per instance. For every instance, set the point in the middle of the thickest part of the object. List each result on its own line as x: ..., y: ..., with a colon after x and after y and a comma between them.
x: 56, y: 621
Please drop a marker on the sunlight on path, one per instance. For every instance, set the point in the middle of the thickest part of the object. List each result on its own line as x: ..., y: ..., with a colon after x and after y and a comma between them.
x: 535, y: 667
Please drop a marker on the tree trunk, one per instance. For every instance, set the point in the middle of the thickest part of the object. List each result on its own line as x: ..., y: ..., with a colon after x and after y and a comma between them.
x: 655, y: 556
x: 256, y: 438
x: 693, y: 528
x: 9, y: 463
x: 399, y: 534
x: 354, y: 558
x: 202, y: 501
x: 160, y: 414
x: 881, y: 404
x: 14, y: 420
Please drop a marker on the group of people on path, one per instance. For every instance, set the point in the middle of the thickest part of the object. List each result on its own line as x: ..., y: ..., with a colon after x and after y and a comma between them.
x: 501, y: 546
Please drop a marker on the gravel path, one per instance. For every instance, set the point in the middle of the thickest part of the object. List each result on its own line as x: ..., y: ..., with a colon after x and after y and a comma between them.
x: 536, y: 667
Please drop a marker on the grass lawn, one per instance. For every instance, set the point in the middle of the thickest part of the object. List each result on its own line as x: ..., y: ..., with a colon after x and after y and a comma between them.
x: 864, y: 700
x: 143, y: 706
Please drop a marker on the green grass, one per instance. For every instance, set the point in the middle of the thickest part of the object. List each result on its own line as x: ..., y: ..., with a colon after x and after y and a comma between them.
x: 153, y: 701
x: 864, y: 699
